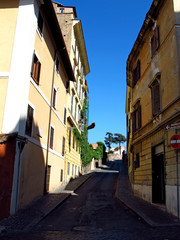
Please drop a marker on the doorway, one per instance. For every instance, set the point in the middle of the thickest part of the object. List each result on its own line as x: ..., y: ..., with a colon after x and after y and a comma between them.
x: 158, y: 181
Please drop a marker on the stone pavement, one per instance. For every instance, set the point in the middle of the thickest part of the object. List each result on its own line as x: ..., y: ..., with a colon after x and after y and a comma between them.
x: 28, y: 217
x: 151, y: 214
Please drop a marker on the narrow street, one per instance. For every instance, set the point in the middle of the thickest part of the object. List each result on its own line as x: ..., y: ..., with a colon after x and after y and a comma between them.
x: 93, y: 212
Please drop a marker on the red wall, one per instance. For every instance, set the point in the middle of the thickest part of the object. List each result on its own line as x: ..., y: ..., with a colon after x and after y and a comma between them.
x: 7, y: 156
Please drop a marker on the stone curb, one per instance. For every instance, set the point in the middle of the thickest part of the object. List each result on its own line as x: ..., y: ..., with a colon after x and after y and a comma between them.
x: 140, y: 213
x: 67, y: 194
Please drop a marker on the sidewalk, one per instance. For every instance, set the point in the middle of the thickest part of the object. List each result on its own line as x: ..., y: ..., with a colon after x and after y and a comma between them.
x: 28, y: 217
x: 151, y: 214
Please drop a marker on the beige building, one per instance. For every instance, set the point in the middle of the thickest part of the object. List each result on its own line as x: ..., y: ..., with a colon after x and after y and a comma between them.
x: 35, y: 72
x: 77, y: 91
x: 153, y: 103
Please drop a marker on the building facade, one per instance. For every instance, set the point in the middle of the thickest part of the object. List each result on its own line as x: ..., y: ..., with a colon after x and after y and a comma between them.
x: 35, y: 72
x: 78, y: 90
x: 152, y: 104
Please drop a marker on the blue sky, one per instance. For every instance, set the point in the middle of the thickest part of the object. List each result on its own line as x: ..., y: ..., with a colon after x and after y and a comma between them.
x: 110, y: 29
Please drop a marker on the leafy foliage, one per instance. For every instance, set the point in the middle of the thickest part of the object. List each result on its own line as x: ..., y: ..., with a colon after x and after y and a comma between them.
x: 116, y: 138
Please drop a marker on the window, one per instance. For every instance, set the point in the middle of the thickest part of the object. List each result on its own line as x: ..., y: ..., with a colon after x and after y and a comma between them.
x: 72, y: 169
x: 155, y: 41
x: 74, y: 141
x: 137, y: 162
x: 54, y: 97
x: 68, y: 168
x: 63, y: 146
x: 77, y: 145
x: 51, y: 143
x: 75, y: 110
x: 40, y: 24
x: 72, y: 97
x: 61, y: 175
x: 155, y: 93
x: 64, y: 115
x: 77, y: 81
x: 136, y: 117
x: 29, y: 121
x: 36, y: 67
x: 69, y: 140
x: 57, y: 64
x: 137, y: 73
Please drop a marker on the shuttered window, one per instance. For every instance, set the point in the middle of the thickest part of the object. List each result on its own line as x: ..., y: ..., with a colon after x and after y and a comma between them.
x: 54, y: 98
x: 29, y: 121
x: 63, y: 146
x: 155, y: 41
x: 155, y: 90
x: 51, y: 144
x: 36, y: 67
x: 69, y: 140
x: 136, y: 118
x: 64, y: 115
x: 61, y: 175
x: 137, y: 73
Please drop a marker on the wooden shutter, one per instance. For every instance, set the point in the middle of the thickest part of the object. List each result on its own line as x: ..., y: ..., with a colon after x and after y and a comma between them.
x: 138, y: 70
x: 63, y: 146
x: 65, y: 116
x: 61, y: 175
x: 157, y: 36
x: 133, y: 122
x: 69, y: 140
x: 153, y: 46
x: 54, y: 98
x: 51, y: 137
x: 155, y: 99
x: 139, y: 116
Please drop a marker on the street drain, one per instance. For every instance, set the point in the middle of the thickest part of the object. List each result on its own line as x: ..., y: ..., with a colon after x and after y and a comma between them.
x: 87, y: 229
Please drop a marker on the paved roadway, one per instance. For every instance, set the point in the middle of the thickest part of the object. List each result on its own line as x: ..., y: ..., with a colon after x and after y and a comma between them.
x: 93, y: 212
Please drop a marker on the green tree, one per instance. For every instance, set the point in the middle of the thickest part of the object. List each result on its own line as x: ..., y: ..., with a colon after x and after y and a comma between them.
x: 109, y: 139
x: 119, y: 138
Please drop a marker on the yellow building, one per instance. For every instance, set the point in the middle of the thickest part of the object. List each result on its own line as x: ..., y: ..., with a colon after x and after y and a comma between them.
x: 153, y: 103
x: 35, y: 72
x: 74, y: 39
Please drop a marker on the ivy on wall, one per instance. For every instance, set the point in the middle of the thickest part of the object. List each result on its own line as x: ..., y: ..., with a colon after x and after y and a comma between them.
x: 86, y: 150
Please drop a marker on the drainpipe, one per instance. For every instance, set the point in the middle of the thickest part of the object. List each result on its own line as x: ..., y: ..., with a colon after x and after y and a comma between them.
x: 49, y: 127
x: 177, y: 173
x: 21, y: 141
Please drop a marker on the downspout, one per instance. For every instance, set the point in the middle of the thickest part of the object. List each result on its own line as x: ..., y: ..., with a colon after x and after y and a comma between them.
x: 21, y: 141
x: 49, y: 126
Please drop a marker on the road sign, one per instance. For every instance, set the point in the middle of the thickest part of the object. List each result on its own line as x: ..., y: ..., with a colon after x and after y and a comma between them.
x: 173, y: 126
x: 175, y: 141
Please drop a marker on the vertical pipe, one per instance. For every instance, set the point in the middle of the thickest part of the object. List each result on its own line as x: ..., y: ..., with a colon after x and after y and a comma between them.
x: 177, y: 173
x: 177, y: 182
